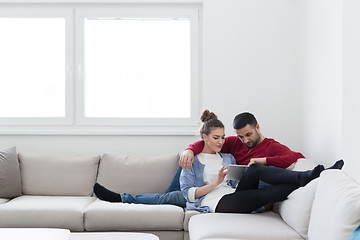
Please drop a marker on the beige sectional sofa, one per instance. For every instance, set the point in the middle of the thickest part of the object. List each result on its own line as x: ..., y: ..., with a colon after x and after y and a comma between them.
x: 57, y: 192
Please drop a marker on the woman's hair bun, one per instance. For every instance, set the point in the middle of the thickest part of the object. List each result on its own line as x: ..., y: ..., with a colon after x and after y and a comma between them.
x: 207, y: 115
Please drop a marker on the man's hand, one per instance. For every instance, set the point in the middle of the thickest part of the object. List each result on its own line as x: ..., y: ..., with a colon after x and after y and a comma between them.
x: 186, y: 159
x: 261, y: 161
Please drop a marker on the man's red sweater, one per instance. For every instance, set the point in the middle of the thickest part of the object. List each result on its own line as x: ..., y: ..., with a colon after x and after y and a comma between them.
x: 276, y: 154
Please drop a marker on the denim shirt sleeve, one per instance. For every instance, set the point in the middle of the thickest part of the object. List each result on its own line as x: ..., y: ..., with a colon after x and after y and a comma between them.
x: 187, y: 181
x: 193, y: 177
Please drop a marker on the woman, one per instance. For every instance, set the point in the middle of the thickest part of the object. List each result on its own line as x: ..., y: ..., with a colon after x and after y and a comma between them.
x: 205, y: 188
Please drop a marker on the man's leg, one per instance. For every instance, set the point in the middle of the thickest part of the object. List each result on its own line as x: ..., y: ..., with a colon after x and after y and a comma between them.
x: 173, y: 198
x: 274, y: 176
x: 248, y: 201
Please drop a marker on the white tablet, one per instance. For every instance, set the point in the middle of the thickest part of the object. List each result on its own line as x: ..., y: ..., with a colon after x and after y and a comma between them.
x: 235, y: 172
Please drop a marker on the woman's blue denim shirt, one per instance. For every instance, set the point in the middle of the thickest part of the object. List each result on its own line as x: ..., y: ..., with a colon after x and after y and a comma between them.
x: 193, y: 177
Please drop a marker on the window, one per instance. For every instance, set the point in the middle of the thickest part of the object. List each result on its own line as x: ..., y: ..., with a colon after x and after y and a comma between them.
x: 34, y: 56
x: 87, y: 66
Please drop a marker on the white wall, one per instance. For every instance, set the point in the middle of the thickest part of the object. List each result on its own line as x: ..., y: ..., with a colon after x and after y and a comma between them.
x: 322, y: 79
x: 251, y: 62
x: 332, y: 82
x: 351, y: 87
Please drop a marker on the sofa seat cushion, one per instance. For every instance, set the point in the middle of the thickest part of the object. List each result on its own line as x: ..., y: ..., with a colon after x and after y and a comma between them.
x: 262, y: 226
x: 3, y: 200
x: 45, y: 212
x: 106, y: 216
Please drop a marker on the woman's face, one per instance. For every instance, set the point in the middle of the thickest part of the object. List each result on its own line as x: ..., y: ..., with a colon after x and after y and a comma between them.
x: 215, y: 140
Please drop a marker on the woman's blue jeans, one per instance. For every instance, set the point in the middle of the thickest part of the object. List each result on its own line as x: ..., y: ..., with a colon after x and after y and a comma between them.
x: 173, y: 195
x: 173, y: 198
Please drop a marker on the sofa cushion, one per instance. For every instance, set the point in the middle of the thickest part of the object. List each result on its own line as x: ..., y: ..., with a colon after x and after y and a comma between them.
x: 106, y: 216
x: 129, y: 173
x: 336, y: 208
x: 261, y: 226
x: 10, y: 181
x: 44, y: 212
x: 296, y: 210
x: 3, y: 200
x: 304, y: 164
x: 188, y: 215
x: 58, y: 175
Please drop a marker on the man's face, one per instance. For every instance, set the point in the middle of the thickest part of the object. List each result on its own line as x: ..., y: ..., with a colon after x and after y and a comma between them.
x: 249, y: 135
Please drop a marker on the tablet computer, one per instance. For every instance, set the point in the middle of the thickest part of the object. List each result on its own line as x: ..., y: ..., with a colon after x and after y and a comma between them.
x: 235, y: 172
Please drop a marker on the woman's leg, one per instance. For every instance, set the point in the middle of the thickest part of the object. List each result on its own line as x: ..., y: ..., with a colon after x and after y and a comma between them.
x: 105, y: 194
x: 274, y: 175
x: 175, y: 182
x: 173, y: 198
x: 249, y: 200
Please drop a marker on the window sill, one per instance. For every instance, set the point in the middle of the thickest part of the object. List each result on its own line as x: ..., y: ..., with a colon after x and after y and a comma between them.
x: 78, y: 131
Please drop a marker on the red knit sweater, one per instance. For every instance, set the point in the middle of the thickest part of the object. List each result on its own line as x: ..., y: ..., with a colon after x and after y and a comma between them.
x: 276, y: 154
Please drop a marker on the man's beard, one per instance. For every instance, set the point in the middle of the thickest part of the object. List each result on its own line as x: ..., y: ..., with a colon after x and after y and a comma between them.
x: 252, y: 144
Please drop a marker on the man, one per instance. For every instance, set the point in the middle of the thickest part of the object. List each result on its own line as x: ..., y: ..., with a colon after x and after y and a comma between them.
x: 249, y: 147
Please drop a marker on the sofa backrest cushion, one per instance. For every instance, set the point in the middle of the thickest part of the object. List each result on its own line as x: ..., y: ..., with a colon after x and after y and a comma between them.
x: 58, y: 175
x: 336, y: 208
x: 304, y: 164
x: 137, y: 174
x: 296, y: 210
x: 10, y: 182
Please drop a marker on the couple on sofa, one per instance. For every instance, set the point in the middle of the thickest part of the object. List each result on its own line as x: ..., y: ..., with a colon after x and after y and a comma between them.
x: 202, y: 186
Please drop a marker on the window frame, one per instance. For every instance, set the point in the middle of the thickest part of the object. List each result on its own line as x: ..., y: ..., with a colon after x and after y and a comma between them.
x: 136, y: 12
x: 46, y: 12
x: 74, y: 122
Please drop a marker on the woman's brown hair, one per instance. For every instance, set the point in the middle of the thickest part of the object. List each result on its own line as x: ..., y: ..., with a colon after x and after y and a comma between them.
x: 210, y: 121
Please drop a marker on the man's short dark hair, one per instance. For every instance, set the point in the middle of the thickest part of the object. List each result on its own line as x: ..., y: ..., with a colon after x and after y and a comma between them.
x: 243, y: 119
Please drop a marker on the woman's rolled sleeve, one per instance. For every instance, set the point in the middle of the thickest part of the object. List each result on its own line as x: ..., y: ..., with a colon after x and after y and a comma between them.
x: 191, y: 194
